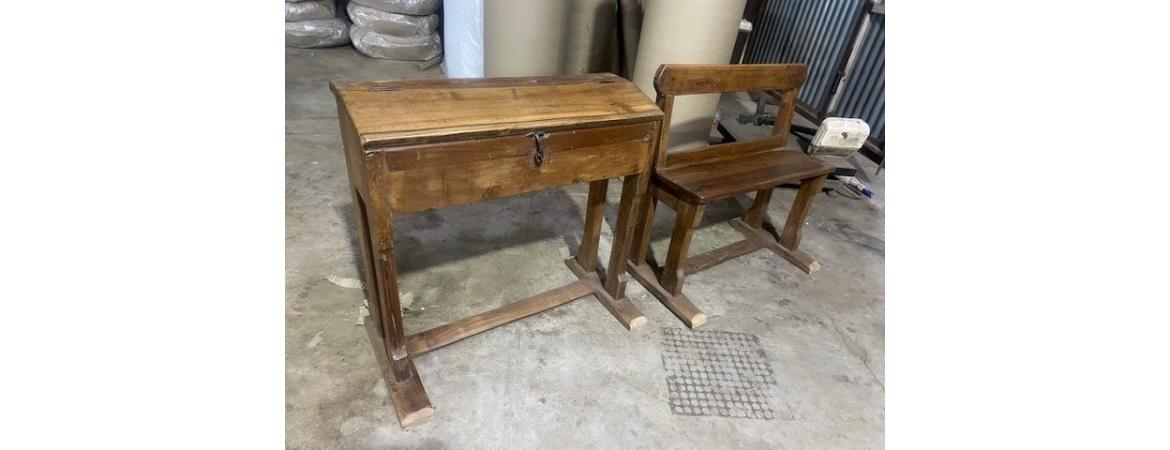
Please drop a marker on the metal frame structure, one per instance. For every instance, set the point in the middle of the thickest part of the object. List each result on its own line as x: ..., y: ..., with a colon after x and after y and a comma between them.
x: 843, y: 43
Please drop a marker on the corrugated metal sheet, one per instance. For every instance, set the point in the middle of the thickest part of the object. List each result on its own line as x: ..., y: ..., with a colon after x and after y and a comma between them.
x: 819, y: 33
x: 813, y: 32
x: 864, y: 94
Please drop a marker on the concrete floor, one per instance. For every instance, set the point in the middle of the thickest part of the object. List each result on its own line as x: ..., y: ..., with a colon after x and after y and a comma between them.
x: 572, y: 377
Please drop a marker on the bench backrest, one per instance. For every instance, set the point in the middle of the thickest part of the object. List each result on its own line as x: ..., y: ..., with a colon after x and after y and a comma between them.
x: 688, y: 79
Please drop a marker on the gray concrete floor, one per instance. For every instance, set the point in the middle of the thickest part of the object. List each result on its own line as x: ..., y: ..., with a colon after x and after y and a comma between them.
x: 572, y: 377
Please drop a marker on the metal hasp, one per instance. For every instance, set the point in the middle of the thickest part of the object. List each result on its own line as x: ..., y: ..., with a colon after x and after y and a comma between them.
x: 538, y: 155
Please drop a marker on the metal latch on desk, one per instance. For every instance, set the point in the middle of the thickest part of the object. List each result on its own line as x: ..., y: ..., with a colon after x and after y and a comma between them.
x: 538, y: 156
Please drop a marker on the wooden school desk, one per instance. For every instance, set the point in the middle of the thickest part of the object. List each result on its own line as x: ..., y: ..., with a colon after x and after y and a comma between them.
x: 414, y: 145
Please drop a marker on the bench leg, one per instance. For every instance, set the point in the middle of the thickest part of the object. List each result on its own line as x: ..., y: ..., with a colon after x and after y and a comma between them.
x: 672, y: 297
x: 790, y: 237
x: 640, y: 248
x: 634, y: 189
x: 751, y: 227
x: 755, y: 215
x: 689, y: 216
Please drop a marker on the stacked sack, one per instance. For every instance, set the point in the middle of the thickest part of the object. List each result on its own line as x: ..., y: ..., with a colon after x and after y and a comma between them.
x: 402, y: 30
x: 313, y: 24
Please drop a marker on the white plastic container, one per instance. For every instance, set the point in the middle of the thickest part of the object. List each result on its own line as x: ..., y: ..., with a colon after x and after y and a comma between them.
x: 839, y: 137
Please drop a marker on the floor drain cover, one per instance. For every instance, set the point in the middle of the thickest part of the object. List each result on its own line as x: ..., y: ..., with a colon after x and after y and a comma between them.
x: 717, y: 373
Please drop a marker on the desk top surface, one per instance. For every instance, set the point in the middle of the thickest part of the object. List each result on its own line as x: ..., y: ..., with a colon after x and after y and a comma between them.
x: 402, y: 112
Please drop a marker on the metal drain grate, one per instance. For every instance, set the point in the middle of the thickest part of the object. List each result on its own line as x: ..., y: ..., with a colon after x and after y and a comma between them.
x: 717, y: 373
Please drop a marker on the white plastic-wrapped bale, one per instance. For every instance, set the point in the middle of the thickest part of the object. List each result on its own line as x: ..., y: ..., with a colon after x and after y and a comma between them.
x: 412, y: 7
x: 316, y: 33
x: 393, y: 24
x: 401, y: 48
x: 463, y: 38
x: 309, y: 10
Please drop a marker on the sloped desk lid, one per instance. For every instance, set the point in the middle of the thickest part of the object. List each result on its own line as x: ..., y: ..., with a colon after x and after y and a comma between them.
x: 402, y: 112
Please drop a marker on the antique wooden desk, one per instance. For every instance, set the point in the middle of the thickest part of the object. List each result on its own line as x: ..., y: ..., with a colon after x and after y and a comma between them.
x: 413, y: 145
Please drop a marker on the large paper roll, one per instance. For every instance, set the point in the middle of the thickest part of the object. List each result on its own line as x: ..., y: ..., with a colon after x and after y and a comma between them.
x: 631, y: 18
x: 523, y: 37
x: 687, y: 32
x: 590, y: 34
x: 463, y: 38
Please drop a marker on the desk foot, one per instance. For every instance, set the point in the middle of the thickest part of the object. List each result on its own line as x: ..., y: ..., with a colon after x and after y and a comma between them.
x: 798, y: 258
x: 409, y: 397
x: 679, y: 304
x: 621, y: 308
x: 411, y: 401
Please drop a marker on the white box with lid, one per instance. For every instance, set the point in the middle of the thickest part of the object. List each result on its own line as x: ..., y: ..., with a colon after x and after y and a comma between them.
x: 839, y: 137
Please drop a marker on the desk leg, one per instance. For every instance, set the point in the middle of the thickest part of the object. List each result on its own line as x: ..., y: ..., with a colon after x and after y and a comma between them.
x: 633, y: 194
x: 406, y: 389
x: 611, y: 291
x: 594, y: 212
x: 363, y: 230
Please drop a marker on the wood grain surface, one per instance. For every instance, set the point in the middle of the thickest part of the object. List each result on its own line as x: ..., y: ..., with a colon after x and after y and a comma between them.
x: 396, y: 112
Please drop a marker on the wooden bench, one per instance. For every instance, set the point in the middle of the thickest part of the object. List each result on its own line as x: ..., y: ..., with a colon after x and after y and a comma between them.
x: 688, y: 180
